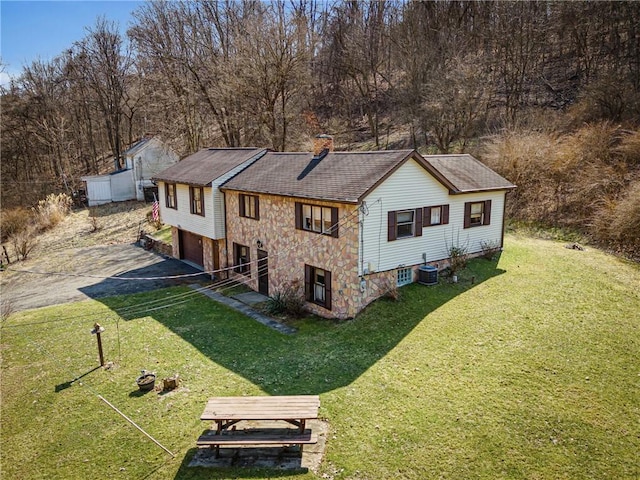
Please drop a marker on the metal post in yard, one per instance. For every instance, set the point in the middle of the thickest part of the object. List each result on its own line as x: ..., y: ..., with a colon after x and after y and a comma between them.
x: 97, y: 330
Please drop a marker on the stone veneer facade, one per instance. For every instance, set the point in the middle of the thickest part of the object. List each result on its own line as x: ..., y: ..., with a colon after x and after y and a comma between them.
x: 290, y: 249
x: 175, y: 241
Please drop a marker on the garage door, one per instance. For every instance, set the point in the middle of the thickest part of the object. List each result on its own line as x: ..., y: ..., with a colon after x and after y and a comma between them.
x: 191, y: 247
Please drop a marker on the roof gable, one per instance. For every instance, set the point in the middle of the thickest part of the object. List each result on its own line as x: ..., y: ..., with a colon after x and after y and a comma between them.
x: 137, y: 147
x: 206, y: 165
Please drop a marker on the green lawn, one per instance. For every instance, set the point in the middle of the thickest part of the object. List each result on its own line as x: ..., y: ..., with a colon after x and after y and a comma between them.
x: 164, y: 234
x: 527, y: 368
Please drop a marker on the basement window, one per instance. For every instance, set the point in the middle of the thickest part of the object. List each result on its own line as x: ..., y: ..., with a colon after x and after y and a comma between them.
x: 404, y: 276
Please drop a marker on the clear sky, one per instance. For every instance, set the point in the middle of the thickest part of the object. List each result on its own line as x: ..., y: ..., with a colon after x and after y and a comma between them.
x: 44, y: 29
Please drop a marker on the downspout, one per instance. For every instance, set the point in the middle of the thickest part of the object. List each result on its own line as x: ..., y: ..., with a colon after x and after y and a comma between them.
x: 504, y: 211
x: 361, y: 235
x: 226, y: 246
x: 363, y: 281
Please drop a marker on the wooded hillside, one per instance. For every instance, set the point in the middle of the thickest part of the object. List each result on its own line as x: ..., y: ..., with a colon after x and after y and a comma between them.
x: 523, y: 85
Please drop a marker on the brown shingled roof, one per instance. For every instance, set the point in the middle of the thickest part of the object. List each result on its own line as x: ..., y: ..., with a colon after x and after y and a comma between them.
x: 204, y: 166
x: 338, y: 176
x: 463, y: 173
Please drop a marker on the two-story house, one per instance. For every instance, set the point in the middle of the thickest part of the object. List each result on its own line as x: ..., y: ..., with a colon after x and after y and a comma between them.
x: 191, y: 202
x: 348, y: 225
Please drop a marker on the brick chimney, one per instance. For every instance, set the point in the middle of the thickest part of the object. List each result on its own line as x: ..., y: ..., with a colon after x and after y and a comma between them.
x: 322, y: 142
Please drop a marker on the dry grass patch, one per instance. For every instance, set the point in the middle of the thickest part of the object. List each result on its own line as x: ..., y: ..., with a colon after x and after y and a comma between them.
x: 581, y: 180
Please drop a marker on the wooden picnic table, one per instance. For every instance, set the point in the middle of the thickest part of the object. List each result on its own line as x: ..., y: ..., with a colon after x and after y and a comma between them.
x: 295, y: 409
x: 227, y: 411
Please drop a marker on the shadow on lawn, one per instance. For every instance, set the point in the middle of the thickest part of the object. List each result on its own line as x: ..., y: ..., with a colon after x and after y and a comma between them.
x: 65, y: 385
x: 162, y: 272
x: 186, y: 472
x: 323, y: 355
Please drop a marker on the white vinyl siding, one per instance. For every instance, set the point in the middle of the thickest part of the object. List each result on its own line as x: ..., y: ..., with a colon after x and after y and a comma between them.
x: 182, y: 217
x: 411, y: 187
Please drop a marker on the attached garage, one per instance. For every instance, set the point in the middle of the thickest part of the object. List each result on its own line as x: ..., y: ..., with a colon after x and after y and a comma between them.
x: 191, y: 248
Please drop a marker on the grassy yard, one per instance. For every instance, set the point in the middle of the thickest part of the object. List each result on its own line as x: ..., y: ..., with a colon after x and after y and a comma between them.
x: 527, y: 368
x: 164, y: 234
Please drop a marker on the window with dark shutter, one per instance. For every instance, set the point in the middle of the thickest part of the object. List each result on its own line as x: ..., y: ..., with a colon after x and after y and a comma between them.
x: 170, y: 195
x: 308, y: 277
x: 241, y: 258
x: 316, y: 218
x: 418, y: 219
x: 404, y: 224
x: 487, y: 212
x: 327, y: 290
x: 298, y: 216
x: 334, y: 222
x: 241, y: 205
x: 477, y: 214
x: 317, y: 286
x: 467, y: 215
x: 435, y: 215
x: 196, y: 195
x: 445, y: 214
x: 391, y: 224
x: 249, y: 206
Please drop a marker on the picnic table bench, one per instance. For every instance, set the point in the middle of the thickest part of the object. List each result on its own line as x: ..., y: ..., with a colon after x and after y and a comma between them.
x: 228, y: 411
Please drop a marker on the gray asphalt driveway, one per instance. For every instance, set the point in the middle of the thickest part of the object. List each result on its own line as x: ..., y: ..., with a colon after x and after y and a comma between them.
x: 92, y: 272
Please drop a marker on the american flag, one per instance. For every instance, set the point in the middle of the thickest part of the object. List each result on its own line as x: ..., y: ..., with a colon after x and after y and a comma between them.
x: 155, y: 209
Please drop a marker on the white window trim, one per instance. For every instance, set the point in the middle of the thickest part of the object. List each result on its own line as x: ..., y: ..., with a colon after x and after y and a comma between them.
x: 412, y: 223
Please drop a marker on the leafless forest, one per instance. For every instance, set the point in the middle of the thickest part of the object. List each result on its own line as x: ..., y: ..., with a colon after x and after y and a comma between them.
x: 547, y: 93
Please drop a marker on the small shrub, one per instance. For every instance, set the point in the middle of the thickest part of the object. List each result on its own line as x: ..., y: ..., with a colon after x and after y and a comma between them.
x: 93, y: 219
x: 157, y: 224
x: 458, y: 255
x: 490, y: 248
x: 276, y: 304
x: 288, y: 301
x: 610, y: 98
x: 14, y: 221
x: 24, y: 242
x: 6, y: 309
x: 391, y: 290
x: 457, y: 259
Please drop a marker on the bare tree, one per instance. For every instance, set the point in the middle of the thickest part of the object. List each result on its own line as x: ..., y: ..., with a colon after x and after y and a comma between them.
x: 360, y: 56
x: 277, y: 49
x: 455, y: 102
x: 107, y: 68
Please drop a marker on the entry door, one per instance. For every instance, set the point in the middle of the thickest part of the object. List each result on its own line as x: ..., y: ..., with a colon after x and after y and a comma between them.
x: 263, y: 272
